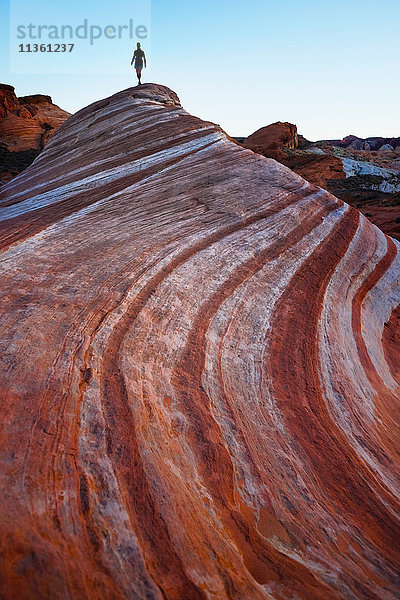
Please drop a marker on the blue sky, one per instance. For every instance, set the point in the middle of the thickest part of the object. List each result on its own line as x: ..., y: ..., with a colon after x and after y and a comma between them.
x: 330, y: 67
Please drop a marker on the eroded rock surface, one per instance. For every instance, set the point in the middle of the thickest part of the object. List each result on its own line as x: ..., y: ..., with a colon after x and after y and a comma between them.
x: 26, y: 125
x: 371, y: 143
x: 270, y: 140
x: 199, y: 371
x: 366, y: 175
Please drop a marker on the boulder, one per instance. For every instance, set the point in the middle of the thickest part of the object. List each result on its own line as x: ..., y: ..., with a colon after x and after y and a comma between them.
x: 386, y: 148
x: 271, y: 139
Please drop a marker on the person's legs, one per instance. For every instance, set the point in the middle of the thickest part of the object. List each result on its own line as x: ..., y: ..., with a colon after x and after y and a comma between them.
x: 139, y: 74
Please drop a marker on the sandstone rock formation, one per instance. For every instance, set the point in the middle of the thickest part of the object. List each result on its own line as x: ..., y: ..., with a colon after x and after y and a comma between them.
x: 271, y: 139
x: 281, y: 142
x: 367, y: 179
x: 199, y: 371
x: 26, y: 125
x: 8, y: 100
x: 371, y: 143
x: 27, y: 122
x: 316, y: 168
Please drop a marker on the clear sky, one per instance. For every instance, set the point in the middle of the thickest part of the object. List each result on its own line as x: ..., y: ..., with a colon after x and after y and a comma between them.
x: 331, y: 67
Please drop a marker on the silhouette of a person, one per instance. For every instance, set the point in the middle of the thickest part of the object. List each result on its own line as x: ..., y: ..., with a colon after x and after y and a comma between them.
x: 139, y: 57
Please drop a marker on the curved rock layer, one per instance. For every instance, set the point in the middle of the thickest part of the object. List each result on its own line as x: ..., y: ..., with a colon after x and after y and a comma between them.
x: 200, y: 371
x: 369, y: 181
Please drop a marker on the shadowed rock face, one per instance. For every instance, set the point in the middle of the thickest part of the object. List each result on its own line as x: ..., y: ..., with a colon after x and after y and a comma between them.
x: 199, y: 371
x: 314, y: 167
x: 26, y: 125
x: 27, y: 122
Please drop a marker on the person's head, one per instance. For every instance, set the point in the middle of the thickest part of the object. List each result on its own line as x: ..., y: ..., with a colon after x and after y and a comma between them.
x: 138, y: 45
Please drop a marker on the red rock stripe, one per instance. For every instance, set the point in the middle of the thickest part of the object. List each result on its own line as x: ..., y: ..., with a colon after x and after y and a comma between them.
x: 391, y: 343
x: 358, y: 299
x: 293, y: 367
x: 45, y: 180
x: 26, y: 225
x: 149, y: 527
x: 386, y: 402
x: 264, y: 562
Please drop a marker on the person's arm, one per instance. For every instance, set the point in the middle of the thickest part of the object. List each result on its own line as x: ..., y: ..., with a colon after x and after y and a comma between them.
x: 133, y: 58
x: 145, y: 62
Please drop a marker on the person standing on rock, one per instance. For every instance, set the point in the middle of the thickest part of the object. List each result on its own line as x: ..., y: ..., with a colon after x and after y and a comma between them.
x: 139, y: 57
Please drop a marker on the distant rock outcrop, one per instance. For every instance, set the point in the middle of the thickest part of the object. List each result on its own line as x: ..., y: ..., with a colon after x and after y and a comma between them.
x: 281, y: 142
x: 316, y: 168
x: 199, y: 371
x: 371, y: 143
x: 8, y: 100
x: 26, y: 125
x: 364, y: 173
x: 271, y: 139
